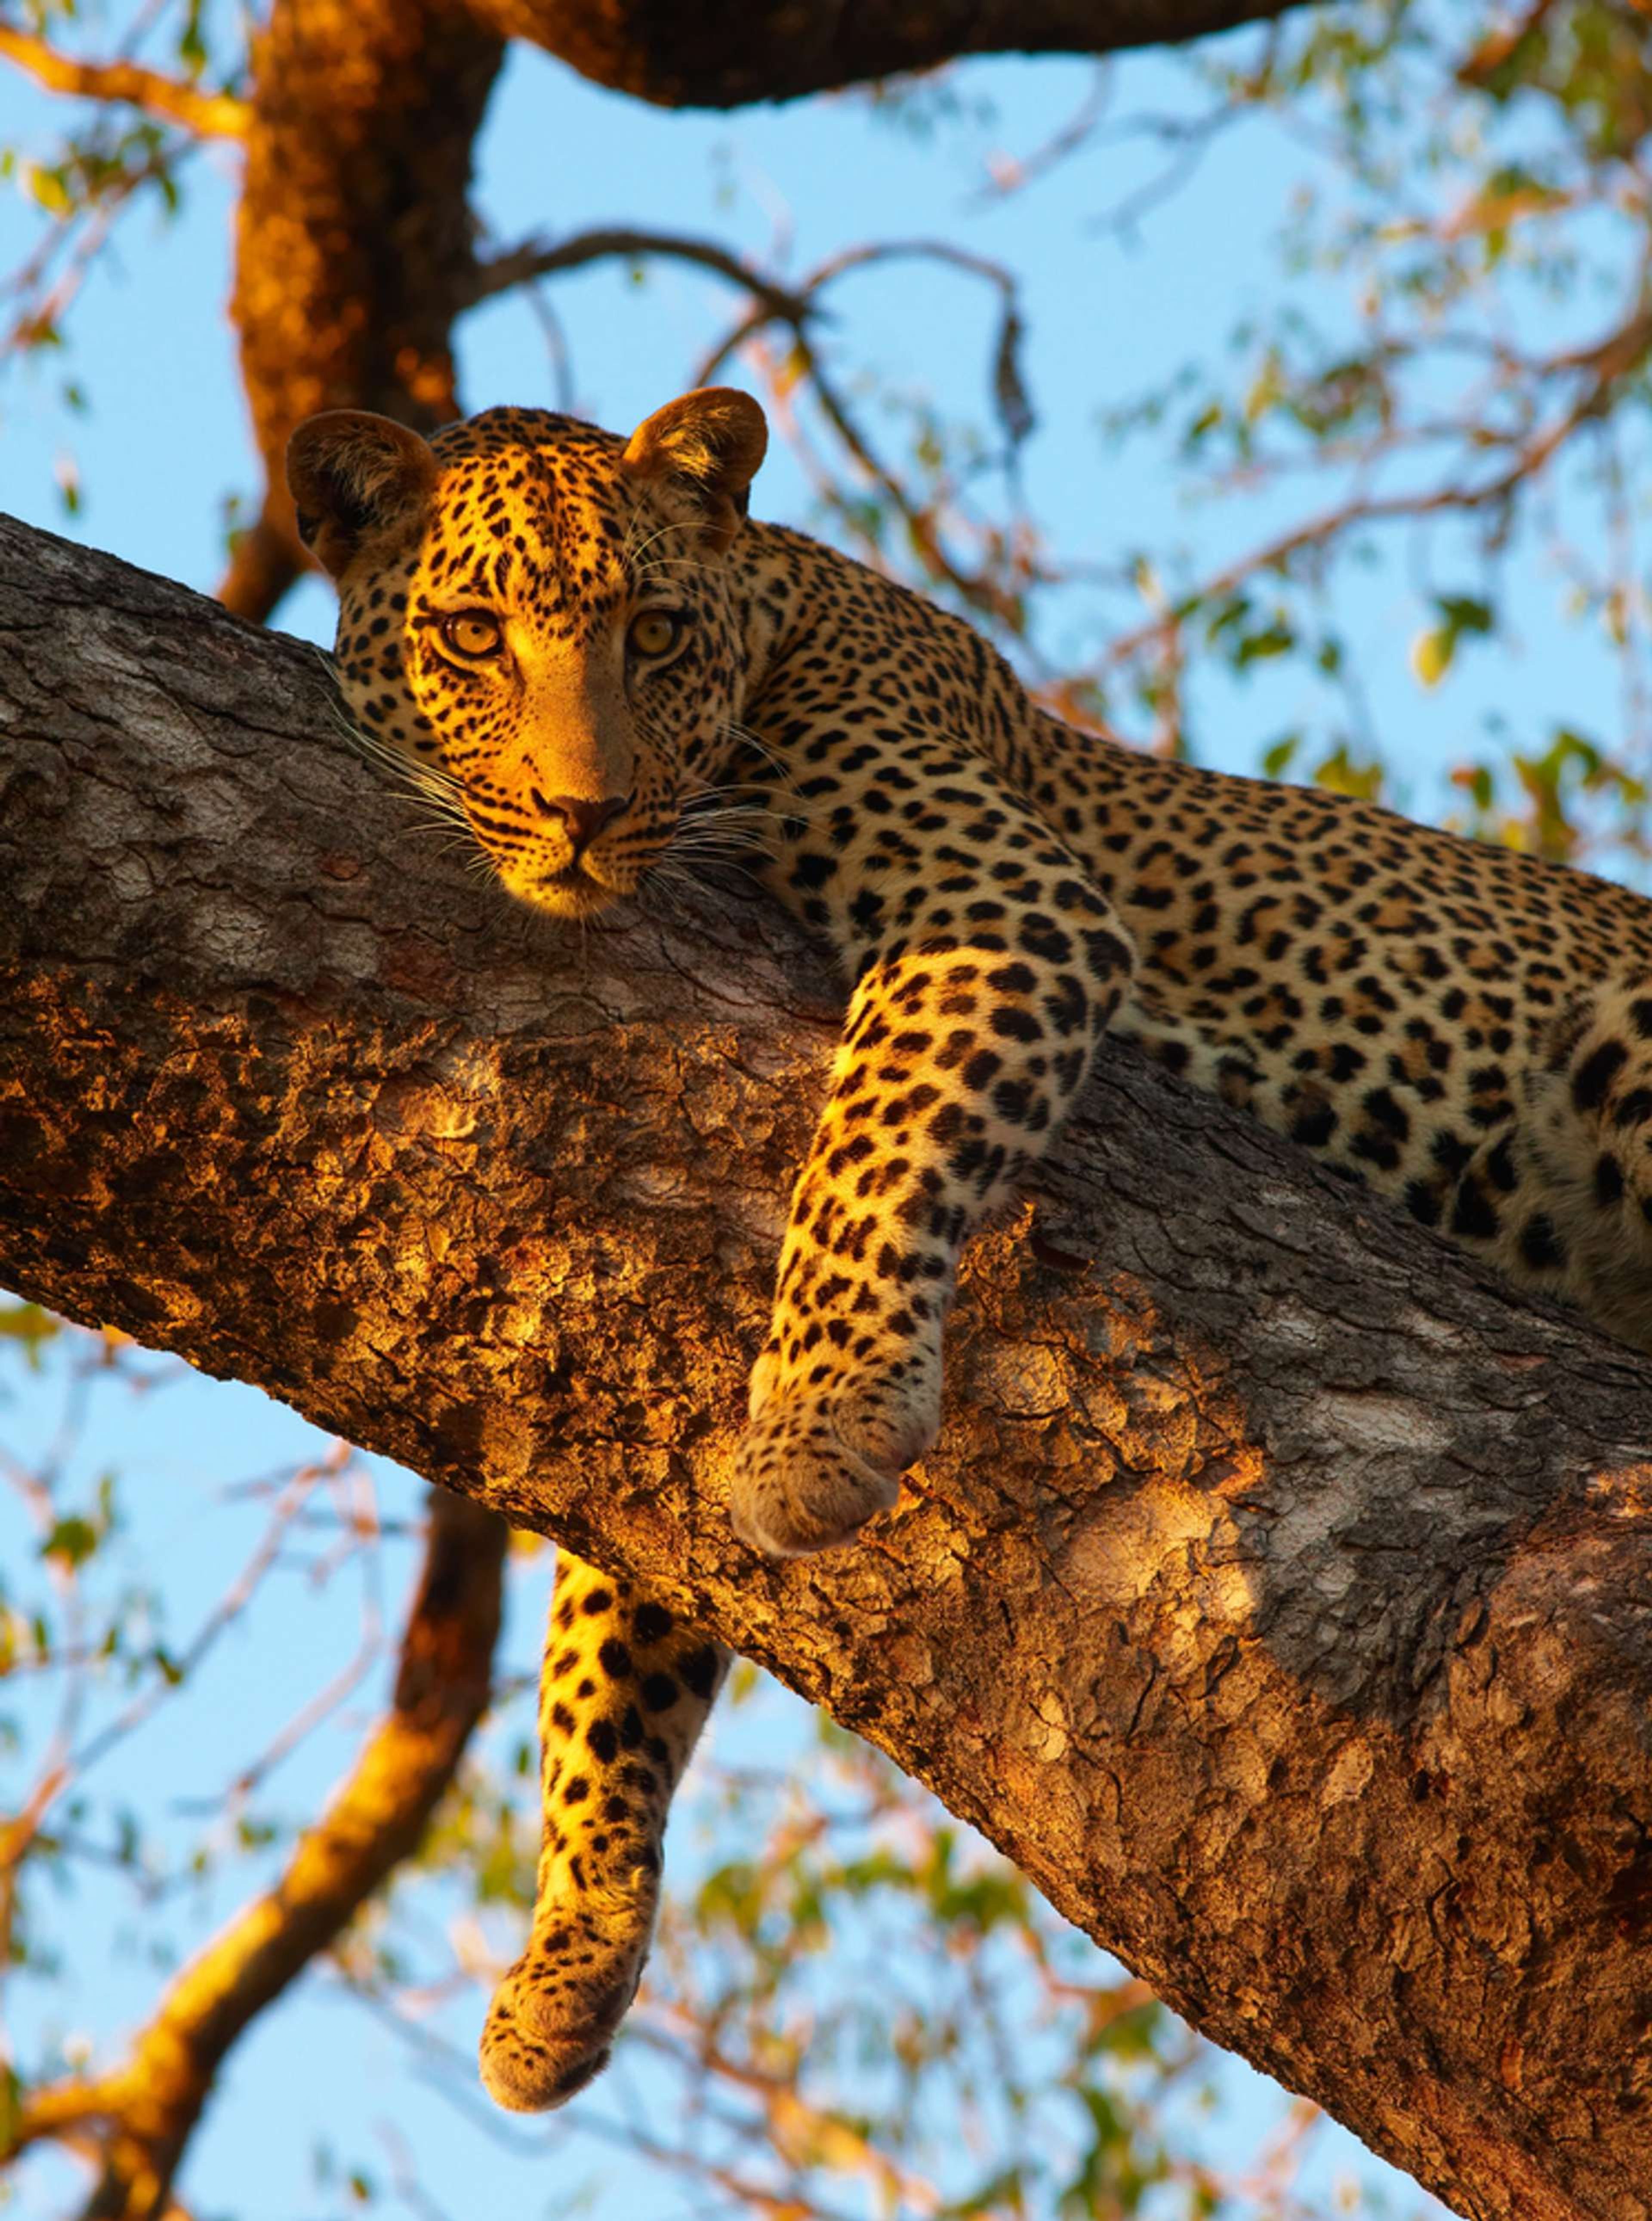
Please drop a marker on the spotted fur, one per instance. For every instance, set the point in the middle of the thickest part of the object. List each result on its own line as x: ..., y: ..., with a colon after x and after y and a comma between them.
x: 623, y: 1697
x: 600, y: 669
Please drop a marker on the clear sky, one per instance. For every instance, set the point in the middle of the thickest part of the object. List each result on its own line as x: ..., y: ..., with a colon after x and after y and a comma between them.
x: 165, y: 440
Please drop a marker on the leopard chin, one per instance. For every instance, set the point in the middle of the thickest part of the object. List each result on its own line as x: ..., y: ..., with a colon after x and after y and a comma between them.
x: 573, y: 892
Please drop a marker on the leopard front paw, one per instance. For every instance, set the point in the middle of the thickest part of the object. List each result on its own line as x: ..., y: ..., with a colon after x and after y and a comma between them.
x: 818, y: 1463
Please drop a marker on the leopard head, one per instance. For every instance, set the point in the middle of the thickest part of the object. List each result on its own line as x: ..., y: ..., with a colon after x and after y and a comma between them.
x: 542, y: 616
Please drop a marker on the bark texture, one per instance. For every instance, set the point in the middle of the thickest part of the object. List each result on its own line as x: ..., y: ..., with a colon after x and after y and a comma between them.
x: 353, y: 250
x: 1279, y: 1595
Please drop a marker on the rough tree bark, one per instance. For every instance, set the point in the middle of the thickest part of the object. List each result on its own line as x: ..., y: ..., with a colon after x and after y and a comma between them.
x: 1279, y: 1597
x: 353, y: 246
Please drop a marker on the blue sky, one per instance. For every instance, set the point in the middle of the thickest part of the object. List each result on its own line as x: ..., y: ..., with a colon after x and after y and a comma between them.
x: 166, y: 441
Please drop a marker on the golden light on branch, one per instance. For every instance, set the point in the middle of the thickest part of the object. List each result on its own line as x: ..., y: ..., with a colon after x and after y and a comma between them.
x: 208, y: 114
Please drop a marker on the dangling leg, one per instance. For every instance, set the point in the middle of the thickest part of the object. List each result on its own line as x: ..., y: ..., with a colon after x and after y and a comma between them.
x: 624, y: 1694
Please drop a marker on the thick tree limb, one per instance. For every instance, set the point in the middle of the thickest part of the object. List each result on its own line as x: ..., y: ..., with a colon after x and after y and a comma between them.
x: 137, y: 2118
x: 720, y: 55
x: 1279, y: 1596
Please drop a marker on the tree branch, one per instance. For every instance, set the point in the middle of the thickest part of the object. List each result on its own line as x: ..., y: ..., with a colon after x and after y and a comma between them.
x: 144, y: 2110
x: 1604, y: 366
x: 209, y: 114
x: 797, y: 308
x: 721, y: 56
x: 353, y: 247
x: 354, y: 254
x: 1277, y: 1595
x: 534, y: 259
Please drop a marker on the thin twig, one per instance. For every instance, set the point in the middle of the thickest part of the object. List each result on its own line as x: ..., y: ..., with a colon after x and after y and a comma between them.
x: 534, y: 259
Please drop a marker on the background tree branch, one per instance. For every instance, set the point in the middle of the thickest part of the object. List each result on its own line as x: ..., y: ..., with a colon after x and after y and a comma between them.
x: 723, y: 57
x: 208, y: 114
x: 134, y: 2122
x: 1277, y: 1598
x: 354, y: 238
x: 354, y: 256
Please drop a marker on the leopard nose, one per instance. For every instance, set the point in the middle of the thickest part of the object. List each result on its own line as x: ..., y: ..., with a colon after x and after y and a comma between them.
x: 584, y: 820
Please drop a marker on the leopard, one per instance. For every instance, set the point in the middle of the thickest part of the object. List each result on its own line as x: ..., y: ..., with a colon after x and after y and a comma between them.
x: 575, y: 638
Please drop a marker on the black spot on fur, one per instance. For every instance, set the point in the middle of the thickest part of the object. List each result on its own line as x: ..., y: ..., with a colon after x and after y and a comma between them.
x: 1595, y: 1075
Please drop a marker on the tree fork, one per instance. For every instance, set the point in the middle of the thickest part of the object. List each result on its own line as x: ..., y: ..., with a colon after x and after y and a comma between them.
x: 1279, y: 1596
x: 354, y: 249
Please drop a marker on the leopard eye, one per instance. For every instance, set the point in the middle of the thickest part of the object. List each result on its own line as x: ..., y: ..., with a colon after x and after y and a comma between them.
x: 655, y: 633
x: 472, y: 633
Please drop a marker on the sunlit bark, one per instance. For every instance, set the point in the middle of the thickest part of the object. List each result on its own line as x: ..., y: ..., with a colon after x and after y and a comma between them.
x: 353, y: 241
x: 208, y: 115
x: 1278, y: 1597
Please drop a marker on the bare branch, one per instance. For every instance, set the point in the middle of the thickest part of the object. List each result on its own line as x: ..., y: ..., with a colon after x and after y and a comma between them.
x: 209, y: 114
x: 519, y: 266
x: 1012, y: 174
x: 979, y: 590
x: 144, y: 2110
x: 798, y: 309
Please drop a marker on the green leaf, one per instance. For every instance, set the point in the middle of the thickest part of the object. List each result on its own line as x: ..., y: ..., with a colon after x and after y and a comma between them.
x: 1275, y: 638
x: 73, y: 1540
x: 1276, y: 761
x: 1465, y: 612
x: 32, y: 1328
x: 11, y: 2096
x: 1569, y: 743
x: 1479, y: 782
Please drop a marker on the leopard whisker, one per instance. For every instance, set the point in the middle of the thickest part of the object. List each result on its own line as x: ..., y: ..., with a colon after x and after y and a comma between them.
x: 755, y: 814
x: 630, y: 555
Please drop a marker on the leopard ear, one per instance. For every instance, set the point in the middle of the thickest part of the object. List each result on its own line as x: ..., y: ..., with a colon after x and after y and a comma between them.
x: 352, y: 476
x: 713, y: 440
